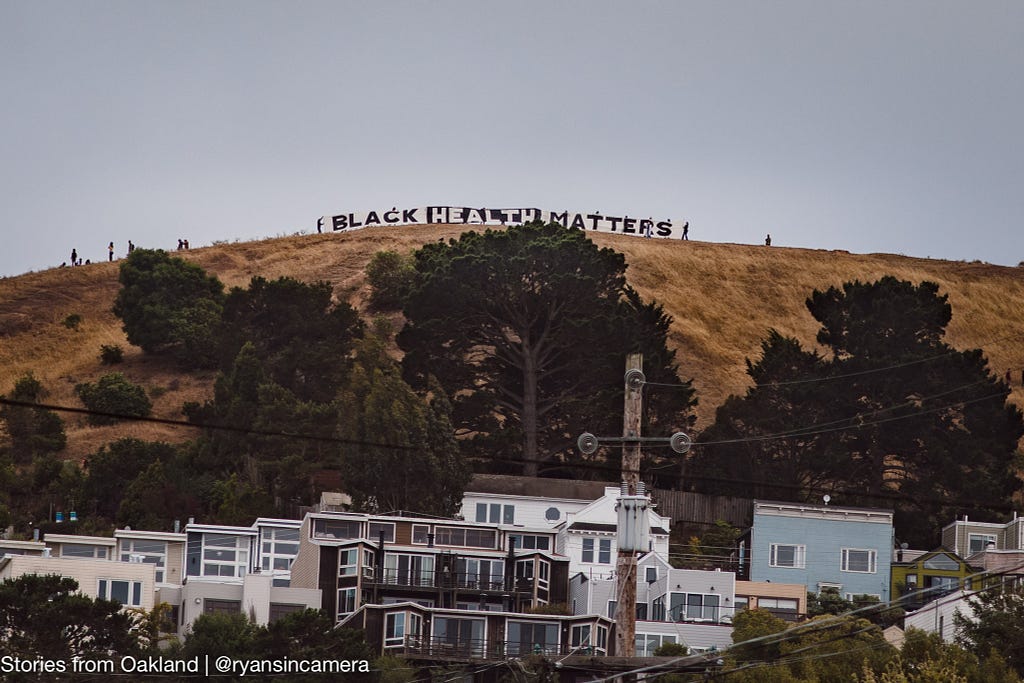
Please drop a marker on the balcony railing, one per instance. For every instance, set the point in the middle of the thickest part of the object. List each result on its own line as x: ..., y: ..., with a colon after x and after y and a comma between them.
x: 443, y: 579
x: 476, y: 649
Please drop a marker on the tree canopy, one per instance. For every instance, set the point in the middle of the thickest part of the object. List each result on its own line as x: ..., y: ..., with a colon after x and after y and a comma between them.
x: 891, y: 417
x: 527, y: 330
x: 168, y: 305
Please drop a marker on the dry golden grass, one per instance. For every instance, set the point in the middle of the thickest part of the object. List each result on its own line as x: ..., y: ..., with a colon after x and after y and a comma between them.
x: 723, y: 297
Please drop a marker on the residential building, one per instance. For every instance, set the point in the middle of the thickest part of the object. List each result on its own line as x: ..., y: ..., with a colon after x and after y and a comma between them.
x: 821, y: 546
x: 785, y: 600
x: 686, y: 606
x: 966, y: 537
x: 130, y: 583
x: 588, y: 537
x: 938, y: 617
x: 919, y: 578
x: 437, y: 634
x: 12, y: 547
x: 526, y: 501
x: 243, y: 569
x: 164, y: 550
x: 358, y: 559
x: 81, y: 547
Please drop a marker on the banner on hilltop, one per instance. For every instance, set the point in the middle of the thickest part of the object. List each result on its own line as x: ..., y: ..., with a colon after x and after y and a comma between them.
x: 469, y: 215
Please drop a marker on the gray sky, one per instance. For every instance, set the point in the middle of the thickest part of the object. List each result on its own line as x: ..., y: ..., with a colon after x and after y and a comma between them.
x: 866, y: 126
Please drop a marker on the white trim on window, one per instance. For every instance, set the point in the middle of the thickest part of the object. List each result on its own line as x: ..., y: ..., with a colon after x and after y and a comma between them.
x: 788, y: 556
x: 853, y: 559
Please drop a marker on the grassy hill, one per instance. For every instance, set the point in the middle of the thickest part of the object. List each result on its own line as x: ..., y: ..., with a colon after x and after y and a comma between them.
x: 723, y: 298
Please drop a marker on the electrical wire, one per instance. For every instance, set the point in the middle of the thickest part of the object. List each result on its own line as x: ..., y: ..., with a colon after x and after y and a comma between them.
x: 887, y: 368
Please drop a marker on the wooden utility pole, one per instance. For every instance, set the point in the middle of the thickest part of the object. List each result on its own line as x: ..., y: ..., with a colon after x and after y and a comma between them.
x: 625, y: 567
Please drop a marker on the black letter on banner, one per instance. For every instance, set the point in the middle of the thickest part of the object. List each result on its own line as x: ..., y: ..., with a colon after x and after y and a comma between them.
x: 371, y: 219
x: 645, y: 227
x: 409, y: 216
x: 596, y: 218
x: 352, y: 221
x: 614, y: 221
x: 391, y: 216
x: 437, y: 214
x: 577, y: 222
x: 340, y: 222
x: 562, y: 218
x: 664, y: 228
x: 627, y: 225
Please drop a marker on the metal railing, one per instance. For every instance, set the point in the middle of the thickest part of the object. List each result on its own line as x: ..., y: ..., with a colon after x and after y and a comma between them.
x: 442, y: 579
x: 474, y: 649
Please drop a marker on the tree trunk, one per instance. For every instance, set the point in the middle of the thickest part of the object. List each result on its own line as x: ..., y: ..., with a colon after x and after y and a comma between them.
x: 531, y: 466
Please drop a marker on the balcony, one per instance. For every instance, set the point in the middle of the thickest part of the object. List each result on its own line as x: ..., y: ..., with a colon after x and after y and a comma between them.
x: 444, y: 579
x: 442, y: 648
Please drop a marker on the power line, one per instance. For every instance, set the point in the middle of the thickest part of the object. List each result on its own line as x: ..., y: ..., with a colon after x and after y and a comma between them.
x: 203, y: 425
x: 887, y: 368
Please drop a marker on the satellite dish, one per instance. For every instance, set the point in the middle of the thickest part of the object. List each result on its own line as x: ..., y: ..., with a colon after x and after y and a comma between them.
x: 587, y: 443
x: 680, y: 442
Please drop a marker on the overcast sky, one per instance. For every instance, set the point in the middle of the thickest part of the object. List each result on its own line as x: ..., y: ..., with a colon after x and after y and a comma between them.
x: 867, y: 126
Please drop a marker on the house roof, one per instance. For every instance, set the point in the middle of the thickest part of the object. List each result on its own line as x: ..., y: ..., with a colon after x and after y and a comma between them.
x: 610, y: 528
x: 533, y: 487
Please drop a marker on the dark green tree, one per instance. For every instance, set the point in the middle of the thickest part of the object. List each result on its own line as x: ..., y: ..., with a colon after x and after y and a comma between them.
x: 46, y: 617
x: 392, y: 278
x: 893, y: 416
x: 310, y: 635
x: 31, y: 431
x: 114, y: 467
x: 421, y: 468
x: 302, y: 337
x: 168, y: 305
x: 527, y: 329
x: 113, y: 394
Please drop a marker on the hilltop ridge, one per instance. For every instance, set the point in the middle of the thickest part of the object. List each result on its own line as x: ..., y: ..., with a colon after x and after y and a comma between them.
x: 723, y: 298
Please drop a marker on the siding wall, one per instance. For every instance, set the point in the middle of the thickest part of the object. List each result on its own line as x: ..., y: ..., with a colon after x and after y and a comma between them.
x: 87, y: 573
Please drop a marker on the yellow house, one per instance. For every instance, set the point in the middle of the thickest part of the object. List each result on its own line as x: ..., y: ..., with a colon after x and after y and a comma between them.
x: 919, y: 578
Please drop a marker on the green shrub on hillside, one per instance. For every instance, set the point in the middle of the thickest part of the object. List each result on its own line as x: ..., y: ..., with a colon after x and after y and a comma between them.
x: 113, y: 394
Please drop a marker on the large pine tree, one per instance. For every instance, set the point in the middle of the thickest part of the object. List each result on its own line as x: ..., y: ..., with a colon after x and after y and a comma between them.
x: 892, y: 416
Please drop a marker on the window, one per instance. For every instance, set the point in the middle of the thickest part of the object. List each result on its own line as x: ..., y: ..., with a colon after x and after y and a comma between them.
x: 375, y: 529
x: 857, y: 560
x: 212, y: 606
x: 543, y: 574
x: 149, y: 552
x: 460, y: 635
x: 524, y: 575
x: 552, y: 514
x: 279, y: 610
x: 97, y: 552
x: 526, y: 638
x: 279, y: 548
x: 694, y: 607
x: 776, y: 604
x: 336, y: 528
x: 658, y: 609
x: 409, y: 570
x: 530, y: 542
x: 348, y: 562
x: 481, y: 512
x: 580, y: 636
x: 225, y: 555
x: 941, y: 561
x: 741, y: 603
x: 346, y: 602
x: 394, y: 629
x: 369, y: 562
x: 128, y: 593
x: 646, y: 644
x: 978, y: 542
x: 604, y: 550
x: 482, y: 574
x: 467, y: 538
x: 652, y: 574
x: 641, y: 611
x: 784, y: 555
x: 420, y: 534
x: 612, y: 606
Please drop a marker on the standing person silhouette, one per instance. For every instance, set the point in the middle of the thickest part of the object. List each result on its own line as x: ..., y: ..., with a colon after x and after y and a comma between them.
x: 74, y: 257
x: 768, y: 240
x: 110, y: 251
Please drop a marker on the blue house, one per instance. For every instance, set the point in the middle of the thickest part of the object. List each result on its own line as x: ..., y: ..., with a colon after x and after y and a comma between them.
x: 821, y: 546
